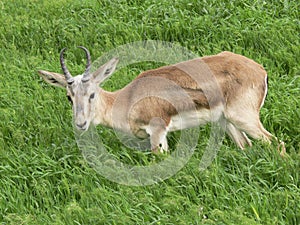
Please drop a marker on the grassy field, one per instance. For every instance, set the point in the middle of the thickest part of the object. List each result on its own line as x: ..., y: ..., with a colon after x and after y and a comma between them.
x: 43, y: 176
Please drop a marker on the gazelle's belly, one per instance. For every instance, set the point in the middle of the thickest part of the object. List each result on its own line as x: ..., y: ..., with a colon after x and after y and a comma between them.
x: 193, y: 118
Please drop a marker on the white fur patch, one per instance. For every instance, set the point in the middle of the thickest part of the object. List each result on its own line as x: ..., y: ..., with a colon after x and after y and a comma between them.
x: 192, y: 119
x: 265, y: 94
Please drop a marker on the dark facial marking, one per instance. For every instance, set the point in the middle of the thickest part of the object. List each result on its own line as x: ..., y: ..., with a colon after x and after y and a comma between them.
x: 84, y: 80
x: 70, y: 99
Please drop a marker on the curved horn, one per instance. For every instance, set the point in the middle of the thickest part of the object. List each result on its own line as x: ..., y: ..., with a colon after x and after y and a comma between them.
x: 65, y: 70
x: 86, y: 74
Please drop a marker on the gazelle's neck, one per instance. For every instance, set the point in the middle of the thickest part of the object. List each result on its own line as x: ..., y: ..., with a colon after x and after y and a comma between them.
x: 103, y: 108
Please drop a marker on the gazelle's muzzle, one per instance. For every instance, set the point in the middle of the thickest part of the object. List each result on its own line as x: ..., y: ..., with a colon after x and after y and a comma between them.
x: 81, y: 115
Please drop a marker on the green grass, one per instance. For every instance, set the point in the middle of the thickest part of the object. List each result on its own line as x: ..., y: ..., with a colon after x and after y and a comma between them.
x: 43, y: 176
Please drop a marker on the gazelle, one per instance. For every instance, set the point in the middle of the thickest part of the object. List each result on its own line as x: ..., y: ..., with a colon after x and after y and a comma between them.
x: 171, y: 98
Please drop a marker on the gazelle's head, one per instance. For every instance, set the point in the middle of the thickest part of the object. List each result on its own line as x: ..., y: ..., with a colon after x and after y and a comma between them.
x: 82, y: 90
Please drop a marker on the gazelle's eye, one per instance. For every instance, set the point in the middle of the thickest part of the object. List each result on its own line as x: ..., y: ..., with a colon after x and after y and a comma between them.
x: 92, y: 96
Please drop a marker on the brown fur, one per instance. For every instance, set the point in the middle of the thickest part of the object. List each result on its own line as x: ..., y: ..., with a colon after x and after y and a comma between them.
x: 233, y: 72
x: 241, y: 82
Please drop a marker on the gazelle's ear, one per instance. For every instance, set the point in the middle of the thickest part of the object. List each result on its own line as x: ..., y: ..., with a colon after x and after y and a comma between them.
x: 105, y: 71
x: 54, y: 79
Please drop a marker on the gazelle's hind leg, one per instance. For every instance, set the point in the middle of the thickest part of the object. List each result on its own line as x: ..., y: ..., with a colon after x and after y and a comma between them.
x: 239, y: 137
x: 257, y: 131
x: 267, y: 136
x: 250, y: 124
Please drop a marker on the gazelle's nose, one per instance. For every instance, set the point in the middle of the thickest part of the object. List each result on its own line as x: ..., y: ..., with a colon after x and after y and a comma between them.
x: 81, y: 126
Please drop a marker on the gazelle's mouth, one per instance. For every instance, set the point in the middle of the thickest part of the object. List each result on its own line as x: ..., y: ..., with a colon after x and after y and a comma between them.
x: 82, y: 129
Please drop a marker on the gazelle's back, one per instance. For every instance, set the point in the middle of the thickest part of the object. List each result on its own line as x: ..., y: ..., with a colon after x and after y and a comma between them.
x: 235, y: 74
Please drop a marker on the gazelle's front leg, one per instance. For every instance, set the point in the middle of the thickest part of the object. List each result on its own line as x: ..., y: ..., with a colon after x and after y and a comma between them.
x: 158, y: 135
